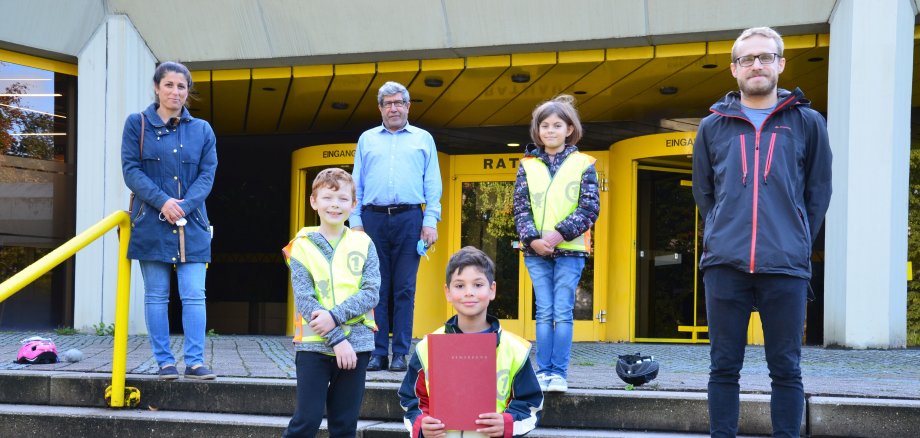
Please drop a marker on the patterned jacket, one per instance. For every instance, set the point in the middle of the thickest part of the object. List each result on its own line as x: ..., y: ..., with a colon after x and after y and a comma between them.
x: 576, y: 224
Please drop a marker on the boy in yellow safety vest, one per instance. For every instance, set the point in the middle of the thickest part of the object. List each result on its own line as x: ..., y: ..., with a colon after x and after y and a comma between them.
x: 519, y: 401
x: 335, y: 274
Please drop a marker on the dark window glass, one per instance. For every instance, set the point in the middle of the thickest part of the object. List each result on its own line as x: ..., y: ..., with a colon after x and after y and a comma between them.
x: 37, y: 189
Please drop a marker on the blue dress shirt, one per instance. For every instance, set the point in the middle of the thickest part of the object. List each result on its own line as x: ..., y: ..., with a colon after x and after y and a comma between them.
x: 397, y: 168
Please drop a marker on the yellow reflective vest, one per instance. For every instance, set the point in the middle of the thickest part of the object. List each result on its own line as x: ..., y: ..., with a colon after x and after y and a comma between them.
x: 510, y: 355
x: 333, y: 281
x: 553, y: 198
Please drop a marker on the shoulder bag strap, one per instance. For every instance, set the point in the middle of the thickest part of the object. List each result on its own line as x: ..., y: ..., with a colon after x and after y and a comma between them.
x: 143, y: 127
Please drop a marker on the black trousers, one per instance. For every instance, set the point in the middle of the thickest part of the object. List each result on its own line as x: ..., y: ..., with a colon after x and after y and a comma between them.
x: 321, y: 384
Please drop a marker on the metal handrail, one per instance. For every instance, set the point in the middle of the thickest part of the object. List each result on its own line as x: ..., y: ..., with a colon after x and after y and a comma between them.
x: 23, y: 278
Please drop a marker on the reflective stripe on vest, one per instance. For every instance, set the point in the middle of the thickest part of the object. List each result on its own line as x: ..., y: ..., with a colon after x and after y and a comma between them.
x: 553, y: 198
x: 510, y: 355
x: 333, y: 282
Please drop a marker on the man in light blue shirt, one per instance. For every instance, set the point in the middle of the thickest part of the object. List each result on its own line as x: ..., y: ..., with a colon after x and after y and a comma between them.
x: 396, y: 171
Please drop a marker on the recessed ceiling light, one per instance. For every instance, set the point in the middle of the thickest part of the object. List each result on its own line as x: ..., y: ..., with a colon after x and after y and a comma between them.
x: 520, y: 78
x: 434, y: 82
x: 513, y: 145
x: 580, y: 92
x: 667, y: 90
x: 339, y: 105
x: 816, y: 59
x: 268, y: 88
x: 709, y: 66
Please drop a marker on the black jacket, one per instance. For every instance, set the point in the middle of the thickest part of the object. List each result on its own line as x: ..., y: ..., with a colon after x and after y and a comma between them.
x: 762, y: 191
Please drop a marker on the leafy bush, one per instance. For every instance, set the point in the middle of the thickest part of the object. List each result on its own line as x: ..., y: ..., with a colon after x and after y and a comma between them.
x: 65, y: 331
x: 104, y: 330
x: 913, y: 251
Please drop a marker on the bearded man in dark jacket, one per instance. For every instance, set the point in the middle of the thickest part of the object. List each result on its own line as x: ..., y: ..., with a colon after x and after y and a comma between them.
x: 762, y: 181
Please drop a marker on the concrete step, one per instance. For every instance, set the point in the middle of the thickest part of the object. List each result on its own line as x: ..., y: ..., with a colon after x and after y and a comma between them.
x: 677, y: 412
x: 35, y: 421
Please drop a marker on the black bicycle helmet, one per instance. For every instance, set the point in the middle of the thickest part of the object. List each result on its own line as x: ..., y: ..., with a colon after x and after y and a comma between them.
x: 637, y: 369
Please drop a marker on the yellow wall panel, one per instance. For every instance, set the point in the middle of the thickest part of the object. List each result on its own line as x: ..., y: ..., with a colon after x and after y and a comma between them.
x: 266, y: 99
x: 480, y: 72
x: 308, y: 87
x: 424, y: 96
x: 504, y: 88
x: 199, y: 102
x: 230, y: 91
x: 571, y: 67
x: 349, y: 83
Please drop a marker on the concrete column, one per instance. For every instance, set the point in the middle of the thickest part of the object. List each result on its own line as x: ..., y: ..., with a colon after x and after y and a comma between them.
x: 869, y: 89
x: 115, y: 79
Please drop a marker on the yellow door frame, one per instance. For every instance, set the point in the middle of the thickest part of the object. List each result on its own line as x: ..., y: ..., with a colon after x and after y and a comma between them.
x: 503, y: 167
x: 624, y: 163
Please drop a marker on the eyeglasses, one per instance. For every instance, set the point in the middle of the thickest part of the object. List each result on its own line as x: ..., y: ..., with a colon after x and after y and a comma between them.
x: 748, y: 60
x: 395, y: 103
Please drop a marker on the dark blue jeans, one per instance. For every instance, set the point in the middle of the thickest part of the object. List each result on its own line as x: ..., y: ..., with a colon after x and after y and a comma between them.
x: 322, y: 385
x: 730, y: 295
x: 395, y: 237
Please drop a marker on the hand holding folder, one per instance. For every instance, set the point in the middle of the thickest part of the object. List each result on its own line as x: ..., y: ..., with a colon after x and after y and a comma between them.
x: 461, y: 378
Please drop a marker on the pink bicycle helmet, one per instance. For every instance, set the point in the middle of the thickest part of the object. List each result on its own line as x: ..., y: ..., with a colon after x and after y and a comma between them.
x: 37, y: 350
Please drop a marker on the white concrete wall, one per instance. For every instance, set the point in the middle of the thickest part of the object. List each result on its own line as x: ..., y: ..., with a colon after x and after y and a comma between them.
x: 115, y: 79
x: 869, y: 89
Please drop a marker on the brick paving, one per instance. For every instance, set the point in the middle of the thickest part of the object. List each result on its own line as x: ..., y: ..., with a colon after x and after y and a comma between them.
x: 826, y: 372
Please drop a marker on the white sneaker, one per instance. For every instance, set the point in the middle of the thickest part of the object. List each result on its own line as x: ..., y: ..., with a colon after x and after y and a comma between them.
x: 544, y: 380
x: 557, y: 384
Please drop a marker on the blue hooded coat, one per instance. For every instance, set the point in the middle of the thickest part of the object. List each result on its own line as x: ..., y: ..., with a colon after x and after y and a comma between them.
x: 179, y: 161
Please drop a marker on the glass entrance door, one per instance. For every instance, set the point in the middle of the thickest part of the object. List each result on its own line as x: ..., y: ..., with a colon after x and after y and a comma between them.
x: 670, y: 304
x: 486, y: 221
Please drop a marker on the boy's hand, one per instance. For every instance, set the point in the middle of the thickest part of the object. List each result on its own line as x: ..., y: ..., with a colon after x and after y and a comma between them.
x: 321, y: 322
x: 345, y: 356
x: 494, y: 422
x: 542, y: 247
x: 432, y: 427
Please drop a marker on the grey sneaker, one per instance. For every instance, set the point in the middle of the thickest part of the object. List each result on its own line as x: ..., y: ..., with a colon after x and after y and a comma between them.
x: 557, y: 384
x: 544, y: 380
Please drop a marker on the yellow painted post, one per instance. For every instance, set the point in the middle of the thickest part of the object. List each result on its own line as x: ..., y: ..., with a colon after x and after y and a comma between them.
x: 122, y: 299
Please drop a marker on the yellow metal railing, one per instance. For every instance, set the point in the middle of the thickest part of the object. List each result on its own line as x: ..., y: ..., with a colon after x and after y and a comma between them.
x: 116, y: 392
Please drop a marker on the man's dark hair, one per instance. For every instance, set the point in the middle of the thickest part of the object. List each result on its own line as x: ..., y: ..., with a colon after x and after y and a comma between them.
x: 471, y: 256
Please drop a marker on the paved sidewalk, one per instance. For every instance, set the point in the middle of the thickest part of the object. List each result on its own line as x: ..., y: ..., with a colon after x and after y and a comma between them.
x: 827, y: 372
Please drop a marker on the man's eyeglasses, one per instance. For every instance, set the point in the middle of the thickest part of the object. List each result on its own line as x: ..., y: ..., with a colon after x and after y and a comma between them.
x: 748, y: 60
x: 395, y: 104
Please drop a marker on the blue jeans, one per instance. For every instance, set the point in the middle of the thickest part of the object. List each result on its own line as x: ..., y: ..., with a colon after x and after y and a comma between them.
x: 156, y: 309
x: 730, y: 295
x: 554, y: 284
x: 395, y: 237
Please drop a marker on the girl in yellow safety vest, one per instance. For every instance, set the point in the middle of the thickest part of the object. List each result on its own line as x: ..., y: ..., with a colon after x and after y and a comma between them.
x: 556, y: 203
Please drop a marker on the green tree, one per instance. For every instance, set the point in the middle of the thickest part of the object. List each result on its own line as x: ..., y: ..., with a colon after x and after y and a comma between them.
x: 15, y: 117
x: 913, y: 251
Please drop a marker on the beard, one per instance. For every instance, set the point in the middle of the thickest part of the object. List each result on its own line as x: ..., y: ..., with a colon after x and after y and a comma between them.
x: 760, y: 89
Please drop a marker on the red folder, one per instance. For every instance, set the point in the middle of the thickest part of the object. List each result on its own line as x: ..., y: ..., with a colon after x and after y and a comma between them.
x: 461, y: 378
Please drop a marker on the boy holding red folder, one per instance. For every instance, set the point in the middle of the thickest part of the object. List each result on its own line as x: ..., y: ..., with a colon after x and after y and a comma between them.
x: 469, y: 289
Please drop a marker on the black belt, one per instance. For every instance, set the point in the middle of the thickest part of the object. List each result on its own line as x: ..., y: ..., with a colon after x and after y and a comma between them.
x: 392, y: 209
